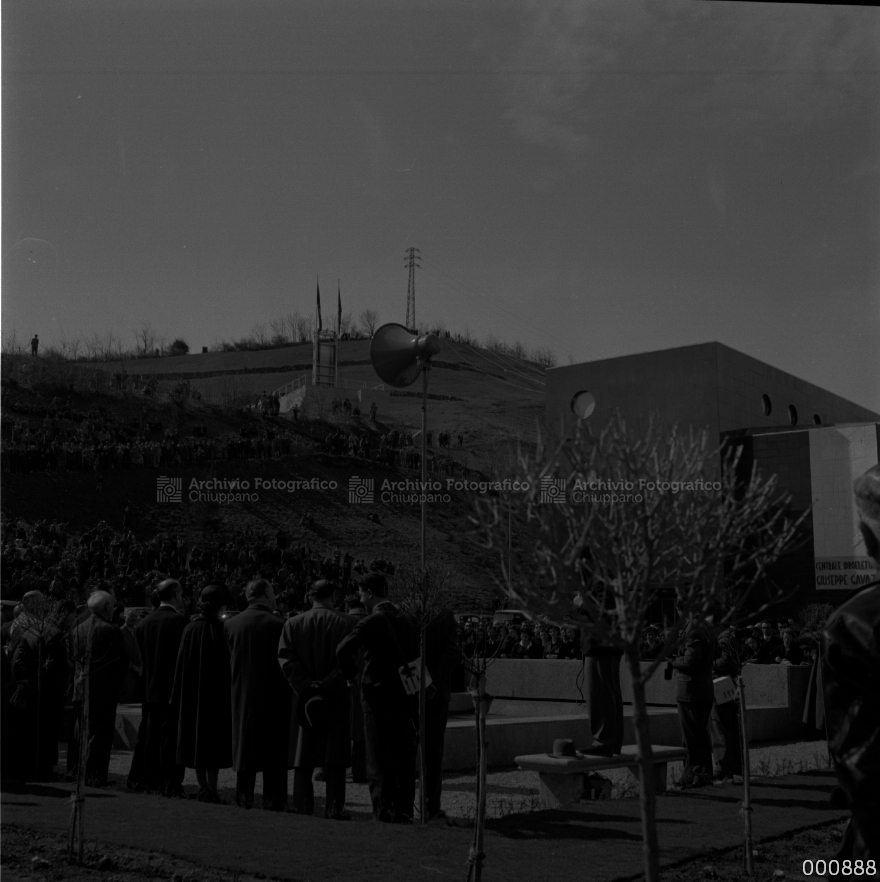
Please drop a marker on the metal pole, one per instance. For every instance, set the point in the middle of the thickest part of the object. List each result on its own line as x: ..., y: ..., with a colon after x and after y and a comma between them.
x: 509, y: 544
x: 423, y: 624
x: 425, y: 369
x: 748, y: 851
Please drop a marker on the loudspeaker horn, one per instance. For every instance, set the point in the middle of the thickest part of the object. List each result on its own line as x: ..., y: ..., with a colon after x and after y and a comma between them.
x: 395, y: 352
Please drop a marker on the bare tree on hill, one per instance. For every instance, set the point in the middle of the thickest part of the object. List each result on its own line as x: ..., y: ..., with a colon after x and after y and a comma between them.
x: 369, y: 319
x: 145, y: 339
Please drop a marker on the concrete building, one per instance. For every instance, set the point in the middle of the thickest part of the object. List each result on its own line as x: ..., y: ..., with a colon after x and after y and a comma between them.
x: 816, y: 442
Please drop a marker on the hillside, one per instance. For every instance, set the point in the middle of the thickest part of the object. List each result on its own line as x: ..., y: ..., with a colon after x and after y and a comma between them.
x: 497, y: 400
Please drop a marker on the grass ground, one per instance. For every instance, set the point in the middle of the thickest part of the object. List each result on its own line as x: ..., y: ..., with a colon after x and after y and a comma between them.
x: 137, y: 837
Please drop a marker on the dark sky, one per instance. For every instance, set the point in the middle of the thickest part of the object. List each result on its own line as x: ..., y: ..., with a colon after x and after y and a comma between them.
x: 598, y: 178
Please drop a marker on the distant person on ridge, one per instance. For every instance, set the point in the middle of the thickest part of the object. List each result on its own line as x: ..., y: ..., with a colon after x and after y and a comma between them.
x: 35, y: 344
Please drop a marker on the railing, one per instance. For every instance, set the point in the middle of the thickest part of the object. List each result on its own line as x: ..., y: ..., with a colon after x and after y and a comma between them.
x: 292, y: 386
x: 302, y: 381
x: 357, y: 384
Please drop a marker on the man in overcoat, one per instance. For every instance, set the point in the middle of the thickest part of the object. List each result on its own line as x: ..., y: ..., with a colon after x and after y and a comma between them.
x: 389, y: 641
x: 442, y: 656
x: 694, y: 695
x: 851, y: 678
x: 356, y: 610
x: 158, y: 638
x: 201, y: 698
x: 307, y: 654
x: 261, y: 699
x: 100, y: 663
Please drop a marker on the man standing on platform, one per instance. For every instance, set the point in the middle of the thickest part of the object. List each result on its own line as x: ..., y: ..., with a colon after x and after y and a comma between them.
x: 604, y: 698
x: 602, y: 685
x: 389, y: 641
x: 260, y: 700
x: 307, y: 653
x: 153, y: 765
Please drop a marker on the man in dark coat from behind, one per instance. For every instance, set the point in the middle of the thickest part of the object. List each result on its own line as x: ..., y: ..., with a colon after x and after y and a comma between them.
x: 695, y: 694
x: 158, y: 637
x: 724, y: 721
x: 38, y: 656
x: 388, y: 640
x: 307, y: 654
x: 261, y: 699
x: 442, y: 655
x: 851, y: 679
x: 100, y: 660
x: 201, y: 698
x: 356, y: 610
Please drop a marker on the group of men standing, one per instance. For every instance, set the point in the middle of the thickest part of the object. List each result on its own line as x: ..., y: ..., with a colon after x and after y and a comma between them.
x: 221, y: 692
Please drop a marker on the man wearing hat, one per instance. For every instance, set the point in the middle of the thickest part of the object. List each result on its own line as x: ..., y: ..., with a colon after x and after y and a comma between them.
x: 850, y: 665
x: 307, y: 653
x: 388, y: 641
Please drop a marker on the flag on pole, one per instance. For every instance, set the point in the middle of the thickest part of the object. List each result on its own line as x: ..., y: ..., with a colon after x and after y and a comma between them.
x: 339, y: 310
x: 319, y: 306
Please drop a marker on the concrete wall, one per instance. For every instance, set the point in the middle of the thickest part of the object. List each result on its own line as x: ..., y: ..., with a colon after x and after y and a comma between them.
x: 766, y: 685
x: 677, y: 385
x: 707, y: 385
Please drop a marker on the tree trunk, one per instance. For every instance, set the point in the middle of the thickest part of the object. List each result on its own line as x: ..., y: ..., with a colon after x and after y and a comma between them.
x: 77, y: 820
x: 647, y: 773
x: 748, y: 854
x: 423, y: 729
x: 481, y: 707
x: 39, y: 745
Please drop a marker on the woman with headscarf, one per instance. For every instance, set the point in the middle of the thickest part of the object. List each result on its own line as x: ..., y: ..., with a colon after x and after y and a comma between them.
x: 201, y: 694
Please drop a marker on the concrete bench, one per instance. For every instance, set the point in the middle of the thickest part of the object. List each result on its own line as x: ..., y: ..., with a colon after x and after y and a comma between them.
x: 562, y: 780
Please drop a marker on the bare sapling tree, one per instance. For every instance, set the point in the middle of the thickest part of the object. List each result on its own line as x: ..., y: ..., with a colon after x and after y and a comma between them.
x: 145, y: 338
x: 614, y: 522
x: 425, y: 596
x: 278, y: 327
x: 369, y: 320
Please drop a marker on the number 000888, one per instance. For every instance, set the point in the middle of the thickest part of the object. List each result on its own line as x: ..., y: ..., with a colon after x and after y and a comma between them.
x: 839, y: 868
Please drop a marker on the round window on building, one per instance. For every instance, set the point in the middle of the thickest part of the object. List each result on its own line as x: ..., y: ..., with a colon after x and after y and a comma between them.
x: 817, y: 420
x: 766, y: 404
x: 583, y: 404
x: 792, y: 415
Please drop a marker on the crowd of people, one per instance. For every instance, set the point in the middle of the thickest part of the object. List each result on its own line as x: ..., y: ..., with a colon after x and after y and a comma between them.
x: 99, y: 440
x: 770, y: 643
x: 60, y: 562
x: 255, y: 691
x: 395, y: 449
x: 523, y: 641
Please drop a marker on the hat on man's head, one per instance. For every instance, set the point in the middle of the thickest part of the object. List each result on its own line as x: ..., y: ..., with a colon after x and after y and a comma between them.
x: 562, y: 748
x: 376, y: 583
x: 313, y: 711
